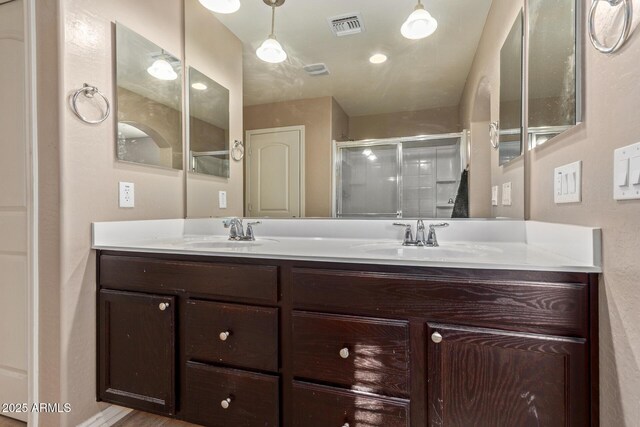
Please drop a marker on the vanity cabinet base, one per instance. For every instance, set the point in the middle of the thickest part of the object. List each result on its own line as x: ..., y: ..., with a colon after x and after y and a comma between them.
x: 233, y: 341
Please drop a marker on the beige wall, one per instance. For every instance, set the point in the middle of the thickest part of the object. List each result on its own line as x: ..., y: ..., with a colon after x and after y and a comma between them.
x: 612, y: 100
x: 315, y: 115
x: 484, y: 81
x: 405, y: 123
x: 216, y: 52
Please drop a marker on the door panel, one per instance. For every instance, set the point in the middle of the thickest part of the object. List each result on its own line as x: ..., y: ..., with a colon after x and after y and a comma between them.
x: 274, y: 174
x: 14, y: 209
x: 137, y: 351
x: 485, y: 377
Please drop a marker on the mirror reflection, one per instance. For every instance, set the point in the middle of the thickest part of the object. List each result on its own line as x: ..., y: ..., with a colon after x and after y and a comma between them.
x: 208, y: 126
x: 553, y: 69
x: 149, y: 102
x: 325, y: 82
x: 511, y: 93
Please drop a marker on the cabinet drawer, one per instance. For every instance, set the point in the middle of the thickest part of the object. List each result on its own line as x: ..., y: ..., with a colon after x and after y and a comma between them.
x: 319, y: 406
x: 220, y: 397
x: 549, y: 308
x: 252, y: 282
x: 370, y: 355
x: 237, y: 335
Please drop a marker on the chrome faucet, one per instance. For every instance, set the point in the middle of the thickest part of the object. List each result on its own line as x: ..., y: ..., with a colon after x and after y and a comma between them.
x: 236, y: 229
x: 430, y: 240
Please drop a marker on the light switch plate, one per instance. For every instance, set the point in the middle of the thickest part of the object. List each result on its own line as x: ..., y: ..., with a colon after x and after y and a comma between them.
x: 626, y: 172
x: 494, y: 195
x: 567, y: 183
x: 506, y: 194
x: 127, y: 195
x: 222, y: 199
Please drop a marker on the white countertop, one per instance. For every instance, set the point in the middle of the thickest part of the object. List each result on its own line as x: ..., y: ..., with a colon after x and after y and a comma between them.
x: 482, y: 244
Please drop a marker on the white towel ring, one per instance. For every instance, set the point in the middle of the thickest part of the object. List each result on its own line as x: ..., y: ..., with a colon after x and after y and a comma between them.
x: 89, y: 91
x: 624, y: 35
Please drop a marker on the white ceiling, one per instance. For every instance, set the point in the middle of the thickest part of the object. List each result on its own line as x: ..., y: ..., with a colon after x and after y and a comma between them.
x: 419, y: 74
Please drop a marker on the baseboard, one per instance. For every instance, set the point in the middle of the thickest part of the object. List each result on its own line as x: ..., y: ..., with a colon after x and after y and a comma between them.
x: 107, y: 418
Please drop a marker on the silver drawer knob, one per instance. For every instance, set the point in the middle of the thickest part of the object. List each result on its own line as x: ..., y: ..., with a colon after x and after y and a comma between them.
x: 436, y: 337
x: 344, y: 353
x: 163, y: 306
x: 345, y: 425
x: 226, y: 403
x: 224, y: 335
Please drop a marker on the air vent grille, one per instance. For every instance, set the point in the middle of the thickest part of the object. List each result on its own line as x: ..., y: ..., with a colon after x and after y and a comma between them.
x: 346, y: 25
x: 316, y: 69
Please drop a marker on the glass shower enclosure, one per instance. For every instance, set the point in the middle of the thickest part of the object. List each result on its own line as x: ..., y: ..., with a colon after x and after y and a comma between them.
x: 398, y: 178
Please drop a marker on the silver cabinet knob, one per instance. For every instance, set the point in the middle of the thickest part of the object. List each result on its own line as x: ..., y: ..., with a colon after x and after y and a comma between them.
x: 163, y: 306
x: 226, y: 403
x: 344, y: 353
x: 345, y: 425
x: 224, y: 335
x: 436, y: 337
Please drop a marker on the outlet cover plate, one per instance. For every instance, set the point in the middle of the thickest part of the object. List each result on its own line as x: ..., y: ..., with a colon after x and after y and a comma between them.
x: 127, y: 195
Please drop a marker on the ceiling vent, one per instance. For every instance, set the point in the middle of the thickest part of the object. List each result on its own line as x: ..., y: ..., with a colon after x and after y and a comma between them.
x: 316, y: 69
x: 346, y: 25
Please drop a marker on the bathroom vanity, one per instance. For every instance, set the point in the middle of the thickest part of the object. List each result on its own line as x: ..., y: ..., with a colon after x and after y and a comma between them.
x: 197, y: 328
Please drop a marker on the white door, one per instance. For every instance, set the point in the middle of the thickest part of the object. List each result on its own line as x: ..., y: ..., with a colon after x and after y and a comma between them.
x: 14, y: 205
x: 275, y: 177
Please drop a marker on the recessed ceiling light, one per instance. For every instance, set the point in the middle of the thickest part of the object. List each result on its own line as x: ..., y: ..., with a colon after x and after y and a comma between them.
x: 378, y: 58
x: 199, y: 86
x: 221, y: 6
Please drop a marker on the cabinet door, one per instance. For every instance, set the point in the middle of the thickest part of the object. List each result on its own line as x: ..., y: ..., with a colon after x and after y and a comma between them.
x: 484, y: 377
x: 136, y: 353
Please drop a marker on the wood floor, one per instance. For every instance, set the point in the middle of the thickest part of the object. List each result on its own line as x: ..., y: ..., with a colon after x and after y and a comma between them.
x: 9, y: 422
x: 142, y: 419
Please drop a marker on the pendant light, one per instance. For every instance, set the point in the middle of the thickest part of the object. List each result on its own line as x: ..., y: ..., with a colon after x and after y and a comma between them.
x: 270, y: 50
x: 419, y: 24
x: 161, y: 69
x: 221, y: 6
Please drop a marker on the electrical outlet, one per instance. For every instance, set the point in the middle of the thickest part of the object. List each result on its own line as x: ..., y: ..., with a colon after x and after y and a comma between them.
x: 127, y: 195
x: 494, y: 195
x: 506, y: 194
x: 222, y: 199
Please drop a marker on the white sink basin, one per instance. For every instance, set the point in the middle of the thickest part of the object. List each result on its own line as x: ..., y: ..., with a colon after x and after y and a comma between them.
x: 224, y: 243
x: 445, y: 251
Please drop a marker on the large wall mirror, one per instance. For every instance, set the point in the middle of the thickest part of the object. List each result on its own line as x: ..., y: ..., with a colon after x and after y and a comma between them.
x: 555, y: 72
x: 149, y: 102
x: 350, y: 112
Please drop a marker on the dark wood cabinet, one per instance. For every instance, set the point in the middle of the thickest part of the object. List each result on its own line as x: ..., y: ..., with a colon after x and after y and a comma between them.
x: 484, y: 377
x: 137, y: 350
x: 254, y: 342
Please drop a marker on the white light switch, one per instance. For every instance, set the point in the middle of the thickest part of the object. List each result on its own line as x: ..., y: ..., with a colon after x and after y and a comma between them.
x: 127, y: 195
x: 626, y: 172
x: 494, y: 195
x: 567, y: 181
x: 222, y: 199
x: 506, y: 194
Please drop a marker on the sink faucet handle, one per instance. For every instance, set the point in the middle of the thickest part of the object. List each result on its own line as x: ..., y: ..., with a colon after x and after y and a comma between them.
x: 432, y: 239
x: 408, y: 232
x: 249, y: 234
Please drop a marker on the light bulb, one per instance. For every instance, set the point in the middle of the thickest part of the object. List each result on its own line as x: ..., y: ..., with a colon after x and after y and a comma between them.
x: 162, y: 70
x: 199, y: 86
x: 419, y: 24
x: 271, y: 51
x: 221, y: 6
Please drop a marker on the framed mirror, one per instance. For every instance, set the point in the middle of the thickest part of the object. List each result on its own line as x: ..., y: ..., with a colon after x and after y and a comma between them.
x: 208, y: 141
x: 149, y: 102
x: 511, y: 93
x: 555, y: 71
